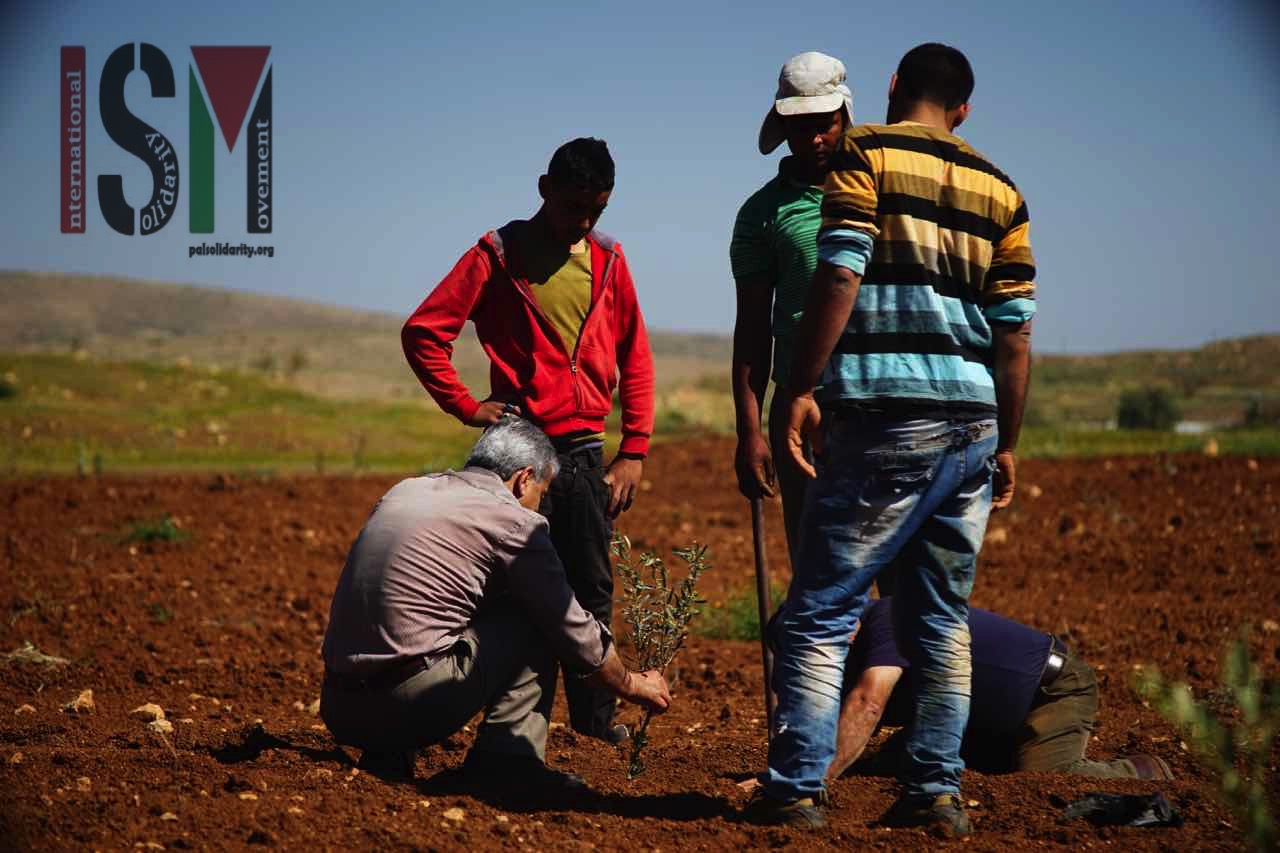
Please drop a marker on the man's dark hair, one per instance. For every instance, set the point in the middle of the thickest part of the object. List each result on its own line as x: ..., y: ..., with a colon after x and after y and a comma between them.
x: 582, y: 164
x: 936, y: 73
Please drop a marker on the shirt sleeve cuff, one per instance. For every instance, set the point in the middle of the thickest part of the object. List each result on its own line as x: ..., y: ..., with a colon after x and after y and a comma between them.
x: 845, y: 247
x: 589, y: 666
x: 634, y: 446
x: 465, y: 409
x: 1016, y: 311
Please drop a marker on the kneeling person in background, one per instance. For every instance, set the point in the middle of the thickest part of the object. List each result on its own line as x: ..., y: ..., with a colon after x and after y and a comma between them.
x: 1032, y: 707
x: 453, y: 601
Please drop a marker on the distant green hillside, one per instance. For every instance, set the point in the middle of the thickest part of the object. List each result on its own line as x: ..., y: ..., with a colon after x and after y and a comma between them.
x: 1214, y: 383
x: 61, y: 411
x: 344, y: 354
x: 335, y: 352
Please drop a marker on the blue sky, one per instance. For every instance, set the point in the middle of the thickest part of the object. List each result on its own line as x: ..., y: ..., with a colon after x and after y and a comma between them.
x: 1144, y: 142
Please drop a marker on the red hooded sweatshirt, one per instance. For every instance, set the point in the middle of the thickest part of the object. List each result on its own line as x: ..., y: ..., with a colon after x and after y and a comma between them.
x: 563, y: 392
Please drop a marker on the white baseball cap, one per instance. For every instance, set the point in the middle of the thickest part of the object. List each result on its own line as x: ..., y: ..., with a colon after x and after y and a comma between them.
x: 809, y: 82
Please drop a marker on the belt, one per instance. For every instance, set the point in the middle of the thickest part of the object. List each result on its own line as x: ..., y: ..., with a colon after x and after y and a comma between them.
x: 1057, y: 660
x: 384, y: 679
x: 880, y: 411
x: 571, y: 448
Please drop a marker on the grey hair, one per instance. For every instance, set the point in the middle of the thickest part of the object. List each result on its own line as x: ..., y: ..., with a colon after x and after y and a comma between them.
x: 511, y: 444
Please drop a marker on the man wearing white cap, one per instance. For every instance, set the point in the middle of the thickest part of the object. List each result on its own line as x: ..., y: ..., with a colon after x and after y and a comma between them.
x: 773, y: 254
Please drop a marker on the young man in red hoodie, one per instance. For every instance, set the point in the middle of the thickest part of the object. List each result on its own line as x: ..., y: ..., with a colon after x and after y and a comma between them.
x: 555, y: 309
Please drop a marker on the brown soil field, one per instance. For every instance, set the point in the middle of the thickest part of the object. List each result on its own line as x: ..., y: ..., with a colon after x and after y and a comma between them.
x: 1156, y: 560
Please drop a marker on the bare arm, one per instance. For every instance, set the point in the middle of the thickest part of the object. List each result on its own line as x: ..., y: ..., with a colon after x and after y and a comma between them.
x: 1013, y: 376
x: 826, y: 315
x: 752, y: 353
x: 860, y: 714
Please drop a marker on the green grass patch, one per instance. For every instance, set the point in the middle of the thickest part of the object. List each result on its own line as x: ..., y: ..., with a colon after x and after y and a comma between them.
x: 737, y: 617
x: 1050, y: 442
x: 159, y: 613
x: 162, y: 529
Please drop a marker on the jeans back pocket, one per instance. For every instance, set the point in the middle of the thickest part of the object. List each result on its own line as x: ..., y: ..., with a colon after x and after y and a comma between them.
x: 896, y: 480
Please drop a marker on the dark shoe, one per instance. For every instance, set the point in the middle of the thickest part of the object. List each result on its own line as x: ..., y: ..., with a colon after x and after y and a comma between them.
x: 944, y: 815
x: 802, y: 813
x: 388, y: 766
x: 1123, y: 810
x: 495, y: 770
x: 1151, y: 767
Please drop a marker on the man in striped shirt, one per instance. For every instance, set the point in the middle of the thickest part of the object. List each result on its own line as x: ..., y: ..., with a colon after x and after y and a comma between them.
x: 917, y: 329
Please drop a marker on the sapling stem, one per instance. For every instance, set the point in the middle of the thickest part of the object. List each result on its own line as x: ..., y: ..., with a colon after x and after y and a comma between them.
x: 658, y: 615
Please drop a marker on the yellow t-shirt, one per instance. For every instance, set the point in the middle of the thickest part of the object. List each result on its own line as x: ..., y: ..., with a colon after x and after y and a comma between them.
x: 560, y: 280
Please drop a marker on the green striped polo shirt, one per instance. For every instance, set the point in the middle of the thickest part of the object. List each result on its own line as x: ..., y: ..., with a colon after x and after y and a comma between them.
x: 775, y: 237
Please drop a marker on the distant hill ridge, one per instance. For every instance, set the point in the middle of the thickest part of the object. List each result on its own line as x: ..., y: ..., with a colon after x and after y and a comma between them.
x: 344, y: 352
x: 47, y: 309
x: 326, y: 349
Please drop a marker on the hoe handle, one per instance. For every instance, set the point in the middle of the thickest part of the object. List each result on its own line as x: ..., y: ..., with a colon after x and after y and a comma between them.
x: 765, y: 606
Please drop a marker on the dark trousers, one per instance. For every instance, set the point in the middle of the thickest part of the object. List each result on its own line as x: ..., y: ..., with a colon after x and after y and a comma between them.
x: 576, y: 506
x: 1055, y: 734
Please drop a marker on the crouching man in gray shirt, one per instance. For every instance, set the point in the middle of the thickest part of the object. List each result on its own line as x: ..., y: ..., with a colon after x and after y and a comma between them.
x: 452, y: 602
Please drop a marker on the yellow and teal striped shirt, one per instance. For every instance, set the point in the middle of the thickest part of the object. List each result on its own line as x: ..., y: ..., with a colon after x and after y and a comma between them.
x: 940, y: 237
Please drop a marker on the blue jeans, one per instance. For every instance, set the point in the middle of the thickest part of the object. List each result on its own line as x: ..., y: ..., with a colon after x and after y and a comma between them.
x: 914, y: 495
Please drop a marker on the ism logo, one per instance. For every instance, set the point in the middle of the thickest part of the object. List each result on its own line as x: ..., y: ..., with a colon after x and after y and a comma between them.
x: 230, y: 77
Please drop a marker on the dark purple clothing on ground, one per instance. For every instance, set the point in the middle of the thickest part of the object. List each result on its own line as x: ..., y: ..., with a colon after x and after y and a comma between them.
x: 1008, y: 661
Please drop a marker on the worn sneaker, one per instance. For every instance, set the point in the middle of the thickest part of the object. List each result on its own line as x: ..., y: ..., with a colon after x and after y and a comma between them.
x: 944, y: 815
x: 388, y: 766
x: 802, y: 813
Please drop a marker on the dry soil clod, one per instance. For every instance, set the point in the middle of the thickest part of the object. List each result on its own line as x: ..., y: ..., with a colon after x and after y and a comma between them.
x: 149, y: 712
x: 82, y: 704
